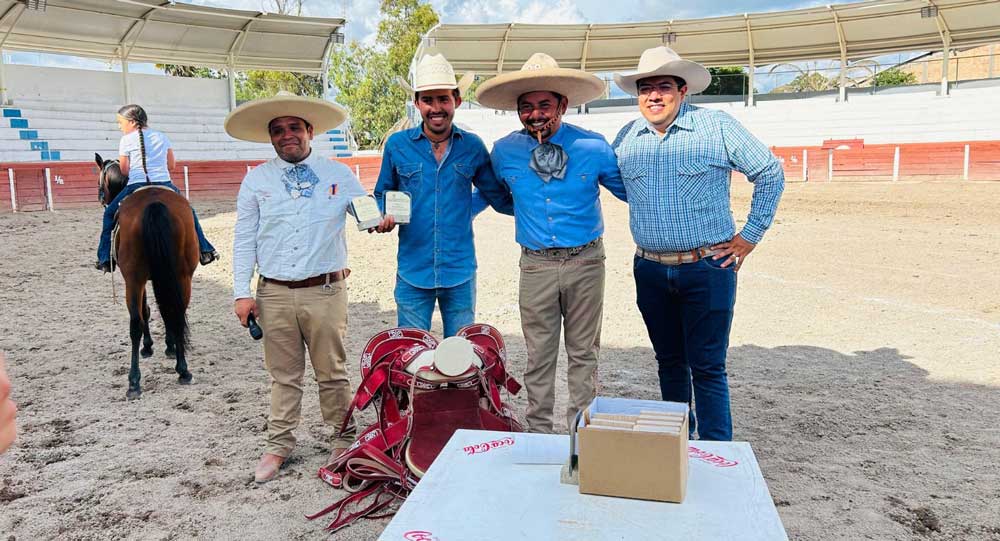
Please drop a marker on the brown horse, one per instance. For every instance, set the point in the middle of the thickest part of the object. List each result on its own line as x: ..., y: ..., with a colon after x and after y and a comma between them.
x: 156, y: 241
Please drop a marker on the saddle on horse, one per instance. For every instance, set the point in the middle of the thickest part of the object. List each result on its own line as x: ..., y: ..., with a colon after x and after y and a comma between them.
x: 423, y: 391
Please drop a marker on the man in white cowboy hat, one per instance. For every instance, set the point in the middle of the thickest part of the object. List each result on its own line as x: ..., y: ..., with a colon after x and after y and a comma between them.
x: 554, y: 171
x: 290, y: 216
x: 676, y: 162
x: 437, y: 164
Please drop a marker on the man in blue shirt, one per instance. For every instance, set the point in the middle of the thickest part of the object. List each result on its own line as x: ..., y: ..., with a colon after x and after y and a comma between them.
x: 437, y: 164
x: 676, y: 162
x: 554, y: 171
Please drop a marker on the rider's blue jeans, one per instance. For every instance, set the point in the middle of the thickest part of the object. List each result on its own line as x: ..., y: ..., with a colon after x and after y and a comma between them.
x: 104, y: 247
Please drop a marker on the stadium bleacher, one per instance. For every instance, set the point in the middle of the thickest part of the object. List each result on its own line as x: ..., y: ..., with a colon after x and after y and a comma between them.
x: 59, y: 130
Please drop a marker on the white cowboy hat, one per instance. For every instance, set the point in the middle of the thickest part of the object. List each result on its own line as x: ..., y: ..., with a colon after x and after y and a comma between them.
x: 249, y: 121
x: 433, y: 72
x: 540, y: 73
x: 664, y: 61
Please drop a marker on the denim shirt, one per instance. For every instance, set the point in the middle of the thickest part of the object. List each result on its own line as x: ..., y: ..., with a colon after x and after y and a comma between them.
x: 558, y: 213
x: 678, y: 184
x: 436, y: 248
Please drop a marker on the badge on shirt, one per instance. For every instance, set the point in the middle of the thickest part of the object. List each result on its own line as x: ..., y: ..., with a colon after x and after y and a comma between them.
x: 333, y: 190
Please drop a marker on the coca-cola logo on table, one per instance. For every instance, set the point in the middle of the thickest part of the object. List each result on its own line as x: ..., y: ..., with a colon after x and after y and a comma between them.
x: 711, y: 458
x: 488, y: 445
x: 419, y: 535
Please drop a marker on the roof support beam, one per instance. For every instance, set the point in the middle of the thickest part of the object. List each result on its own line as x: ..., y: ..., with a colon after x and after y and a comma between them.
x: 945, y: 33
x: 13, y: 14
x: 586, y: 48
x: 503, y: 48
x: 325, y: 76
x: 842, y: 84
x: 750, y: 67
x: 236, y: 48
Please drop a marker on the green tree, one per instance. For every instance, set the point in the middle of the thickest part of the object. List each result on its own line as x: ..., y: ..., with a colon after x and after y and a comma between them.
x: 807, y: 82
x: 727, y: 81
x: 366, y: 76
x: 256, y: 84
x: 369, y: 90
x: 404, y: 23
x: 177, y: 70
x: 894, y: 77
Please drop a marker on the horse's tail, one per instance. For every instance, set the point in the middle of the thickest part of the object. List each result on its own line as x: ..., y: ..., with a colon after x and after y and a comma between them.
x: 162, y: 258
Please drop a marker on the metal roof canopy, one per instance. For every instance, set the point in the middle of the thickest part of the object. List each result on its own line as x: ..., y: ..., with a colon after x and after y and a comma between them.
x: 169, y: 32
x: 844, y: 31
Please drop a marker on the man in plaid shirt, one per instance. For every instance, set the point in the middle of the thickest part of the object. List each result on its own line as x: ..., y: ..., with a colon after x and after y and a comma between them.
x: 676, y: 162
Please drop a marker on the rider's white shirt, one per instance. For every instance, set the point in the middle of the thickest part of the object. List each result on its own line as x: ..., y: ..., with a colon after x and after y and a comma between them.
x: 157, y: 144
x: 291, y: 238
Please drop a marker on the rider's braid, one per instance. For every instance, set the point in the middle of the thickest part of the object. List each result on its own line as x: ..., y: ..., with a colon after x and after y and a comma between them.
x: 138, y: 115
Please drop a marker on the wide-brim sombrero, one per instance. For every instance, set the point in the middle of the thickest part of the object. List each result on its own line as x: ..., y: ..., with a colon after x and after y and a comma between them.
x: 540, y: 73
x: 249, y: 121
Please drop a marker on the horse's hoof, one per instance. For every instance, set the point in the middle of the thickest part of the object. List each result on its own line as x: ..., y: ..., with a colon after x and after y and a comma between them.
x: 146, y: 353
x: 133, y: 394
x: 184, y: 379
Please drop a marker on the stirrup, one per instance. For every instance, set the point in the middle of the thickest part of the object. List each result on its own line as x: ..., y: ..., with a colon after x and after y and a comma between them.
x: 208, y: 257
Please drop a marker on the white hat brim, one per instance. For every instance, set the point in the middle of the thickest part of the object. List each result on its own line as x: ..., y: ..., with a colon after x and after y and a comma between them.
x: 694, y: 74
x: 249, y: 121
x: 502, y: 91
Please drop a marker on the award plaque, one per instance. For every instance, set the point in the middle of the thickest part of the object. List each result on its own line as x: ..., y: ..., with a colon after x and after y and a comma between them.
x: 366, y: 212
x: 397, y: 205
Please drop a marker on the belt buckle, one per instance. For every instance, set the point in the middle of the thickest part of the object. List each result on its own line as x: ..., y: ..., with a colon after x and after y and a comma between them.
x: 327, y: 284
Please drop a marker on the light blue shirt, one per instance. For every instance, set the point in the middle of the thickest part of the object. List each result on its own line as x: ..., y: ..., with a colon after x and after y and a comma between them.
x: 287, y: 237
x: 560, y: 213
x: 157, y: 144
x: 436, y: 249
x: 678, y: 184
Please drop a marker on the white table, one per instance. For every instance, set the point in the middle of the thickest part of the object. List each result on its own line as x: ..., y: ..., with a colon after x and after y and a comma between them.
x: 493, y: 495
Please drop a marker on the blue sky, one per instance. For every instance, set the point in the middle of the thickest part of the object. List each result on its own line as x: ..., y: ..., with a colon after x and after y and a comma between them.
x: 363, y: 18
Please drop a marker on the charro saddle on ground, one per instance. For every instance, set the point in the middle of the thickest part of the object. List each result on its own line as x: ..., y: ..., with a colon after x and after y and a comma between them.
x: 423, y: 391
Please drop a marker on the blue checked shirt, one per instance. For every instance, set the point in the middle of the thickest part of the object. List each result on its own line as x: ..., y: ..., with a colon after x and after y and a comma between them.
x: 436, y: 248
x: 558, y: 213
x: 678, y: 184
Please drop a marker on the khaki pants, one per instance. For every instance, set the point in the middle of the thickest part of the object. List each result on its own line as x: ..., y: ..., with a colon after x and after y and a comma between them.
x: 569, y: 291
x: 294, y: 321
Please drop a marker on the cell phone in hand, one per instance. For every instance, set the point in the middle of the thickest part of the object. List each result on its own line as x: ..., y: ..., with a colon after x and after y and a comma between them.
x: 255, y: 331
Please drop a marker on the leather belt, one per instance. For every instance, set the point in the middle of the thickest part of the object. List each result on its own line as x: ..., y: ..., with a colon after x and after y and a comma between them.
x: 675, y: 258
x: 320, y: 280
x: 560, y: 252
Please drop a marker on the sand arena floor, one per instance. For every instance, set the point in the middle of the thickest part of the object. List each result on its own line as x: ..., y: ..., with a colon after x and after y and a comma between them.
x: 863, y: 366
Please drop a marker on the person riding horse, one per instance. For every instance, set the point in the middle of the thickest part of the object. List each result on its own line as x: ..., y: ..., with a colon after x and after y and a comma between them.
x: 153, y: 151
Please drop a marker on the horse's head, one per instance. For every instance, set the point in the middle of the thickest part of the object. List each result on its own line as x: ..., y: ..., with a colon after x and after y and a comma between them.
x: 110, y: 181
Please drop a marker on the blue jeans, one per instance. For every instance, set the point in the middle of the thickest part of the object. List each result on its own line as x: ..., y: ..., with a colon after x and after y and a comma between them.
x: 688, y: 311
x: 415, y: 305
x: 104, y: 247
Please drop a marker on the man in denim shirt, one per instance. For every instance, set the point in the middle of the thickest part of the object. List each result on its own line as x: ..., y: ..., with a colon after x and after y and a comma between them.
x: 676, y: 162
x: 554, y: 171
x: 437, y: 164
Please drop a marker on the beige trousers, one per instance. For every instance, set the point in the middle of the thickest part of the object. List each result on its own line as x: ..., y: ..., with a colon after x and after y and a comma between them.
x: 294, y: 321
x: 561, y: 291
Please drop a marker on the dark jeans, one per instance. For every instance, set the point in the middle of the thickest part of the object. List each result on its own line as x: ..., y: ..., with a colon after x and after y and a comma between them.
x: 688, y: 310
x: 104, y: 247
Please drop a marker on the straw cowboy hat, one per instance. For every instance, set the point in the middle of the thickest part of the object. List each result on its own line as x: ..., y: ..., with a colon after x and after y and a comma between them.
x: 433, y: 72
x: 540, y: 72
x: 249, y: 121
x: 664, y: 61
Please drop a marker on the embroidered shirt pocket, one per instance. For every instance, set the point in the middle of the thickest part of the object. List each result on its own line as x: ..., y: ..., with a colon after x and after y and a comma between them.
x: 409, y: 177
x: 694, y: 180
x: 635, y: 182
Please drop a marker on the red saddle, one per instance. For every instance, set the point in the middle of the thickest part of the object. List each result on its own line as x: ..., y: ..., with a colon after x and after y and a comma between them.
x: 423, y: 391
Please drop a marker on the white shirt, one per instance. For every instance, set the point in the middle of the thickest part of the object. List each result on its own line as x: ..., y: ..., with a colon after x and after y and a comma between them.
x: 157, y: 144
x: 291, y: 238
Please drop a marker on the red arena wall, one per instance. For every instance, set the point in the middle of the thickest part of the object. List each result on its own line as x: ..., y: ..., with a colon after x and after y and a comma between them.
x: 74, y: 184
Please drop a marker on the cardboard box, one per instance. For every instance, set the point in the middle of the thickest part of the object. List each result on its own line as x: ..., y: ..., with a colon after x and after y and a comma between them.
x: 636, y: 464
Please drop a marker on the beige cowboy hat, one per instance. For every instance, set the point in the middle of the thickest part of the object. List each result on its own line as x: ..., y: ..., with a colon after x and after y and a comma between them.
x: 434, y: 72
x: 249, y: 121
x: 664, y: 61
x: 540, y: 72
